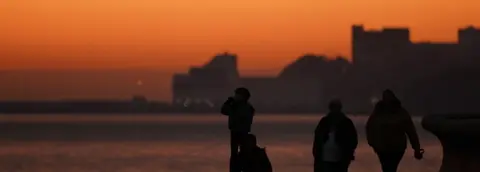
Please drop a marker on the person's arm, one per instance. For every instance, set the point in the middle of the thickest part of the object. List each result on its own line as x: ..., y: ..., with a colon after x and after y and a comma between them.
x: 411, y: 131
x: 353, y: 141
x: 316, y: 138
x: 369, y: 127
x: 227, y: 107
x: 251, y: 113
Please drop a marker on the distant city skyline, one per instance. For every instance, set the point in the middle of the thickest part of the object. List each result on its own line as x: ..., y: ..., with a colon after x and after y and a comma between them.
x: 155, y: 83
x: 174, y: 34
x: 381, y: 59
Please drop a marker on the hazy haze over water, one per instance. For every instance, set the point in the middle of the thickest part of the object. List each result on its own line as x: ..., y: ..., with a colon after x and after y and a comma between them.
x: 192, y: 143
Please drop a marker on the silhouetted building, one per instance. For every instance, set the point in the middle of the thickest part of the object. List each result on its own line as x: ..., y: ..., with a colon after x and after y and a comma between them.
x: 381, y: 59
x: 469, y: 38
x: 299, y: 87
x: 263, y: 91
x: 389, y: 48
x: 387, y: 58
x: 207, y: 85
x: 316, y: 79
x: 373, y: 50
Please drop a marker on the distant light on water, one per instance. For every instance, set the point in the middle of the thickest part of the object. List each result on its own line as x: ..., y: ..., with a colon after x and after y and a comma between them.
x: 374, y: 100
x: 198, y: 101
x: 187, y: 102
x: 209, y: 103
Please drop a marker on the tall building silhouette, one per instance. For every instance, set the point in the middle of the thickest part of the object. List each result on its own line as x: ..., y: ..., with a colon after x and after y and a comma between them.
x: 372, y: 50
x: 469, y: 38
x: 387, y: 58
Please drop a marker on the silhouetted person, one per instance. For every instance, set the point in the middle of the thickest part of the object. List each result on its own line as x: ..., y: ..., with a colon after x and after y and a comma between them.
x: 253, y: 158
x: 387, y: 131
x: 240, y: 117
x: 335, y: 141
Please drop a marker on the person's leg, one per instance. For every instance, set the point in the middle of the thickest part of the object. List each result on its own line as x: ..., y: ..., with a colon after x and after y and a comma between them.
x: 332, y: 167
x: 396, y: 158
x: 317, y: 165
x: 390, y: 160
x: 239, y: 140
x: 342, y: 166
x: 385, y: 161
x: 234, y: 145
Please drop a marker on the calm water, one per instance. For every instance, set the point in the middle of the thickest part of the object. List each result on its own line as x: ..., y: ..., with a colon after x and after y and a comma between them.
x: 192, y: 143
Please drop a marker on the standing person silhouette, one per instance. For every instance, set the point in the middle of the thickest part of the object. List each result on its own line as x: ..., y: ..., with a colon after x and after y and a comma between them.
x: 335, y: 141
x: 387, y: 130
x: 240, y: 117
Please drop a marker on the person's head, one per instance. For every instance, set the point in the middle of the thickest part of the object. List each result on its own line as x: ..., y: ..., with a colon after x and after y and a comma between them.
x: 250, y: 141
x: 242, y: 94
x: 335, y: 105
x: 389, y: 96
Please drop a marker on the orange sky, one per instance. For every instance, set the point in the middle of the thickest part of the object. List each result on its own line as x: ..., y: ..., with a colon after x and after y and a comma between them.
x: 173, y: 34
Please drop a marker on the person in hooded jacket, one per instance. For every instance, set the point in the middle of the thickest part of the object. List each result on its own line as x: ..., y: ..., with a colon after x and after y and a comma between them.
x: 387, y: 130
x: 240, y: 117
x: 335, y: 141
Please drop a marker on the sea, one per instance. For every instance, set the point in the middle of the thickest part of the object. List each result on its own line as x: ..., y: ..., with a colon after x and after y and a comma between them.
x: 188, y: 143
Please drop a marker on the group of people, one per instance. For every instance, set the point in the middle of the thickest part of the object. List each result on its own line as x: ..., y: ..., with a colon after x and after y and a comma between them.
x: 335, y: 139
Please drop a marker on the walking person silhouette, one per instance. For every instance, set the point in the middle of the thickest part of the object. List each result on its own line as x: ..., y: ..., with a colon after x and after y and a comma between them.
x: 387, y: 130
x: 240, y: 118
x: 335, y: 141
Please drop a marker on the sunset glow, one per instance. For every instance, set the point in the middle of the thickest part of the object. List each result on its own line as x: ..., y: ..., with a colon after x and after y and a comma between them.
x: 175, y: 34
